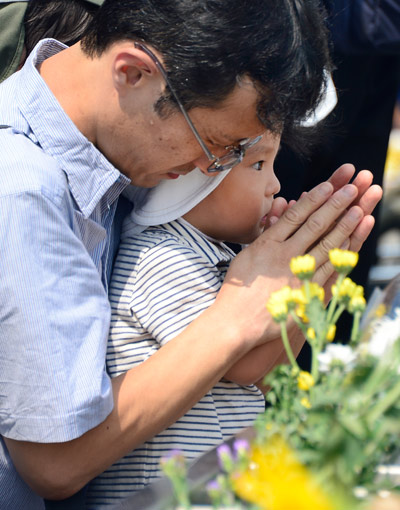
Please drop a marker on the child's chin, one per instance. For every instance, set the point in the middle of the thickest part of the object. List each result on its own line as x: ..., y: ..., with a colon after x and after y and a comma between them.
x: 253, y: 237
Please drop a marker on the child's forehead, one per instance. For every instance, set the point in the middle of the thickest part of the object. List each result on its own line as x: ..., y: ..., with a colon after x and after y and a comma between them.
x: 268, y: 142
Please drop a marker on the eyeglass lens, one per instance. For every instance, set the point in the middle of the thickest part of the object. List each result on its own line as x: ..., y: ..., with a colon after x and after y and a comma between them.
x: 234, y: 156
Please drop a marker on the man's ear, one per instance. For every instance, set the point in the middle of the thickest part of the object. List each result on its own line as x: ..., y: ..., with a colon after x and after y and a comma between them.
x: 130, y: 66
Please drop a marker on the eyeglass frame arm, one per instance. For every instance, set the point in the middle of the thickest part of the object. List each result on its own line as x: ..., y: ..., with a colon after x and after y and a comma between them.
x: 160, y: 67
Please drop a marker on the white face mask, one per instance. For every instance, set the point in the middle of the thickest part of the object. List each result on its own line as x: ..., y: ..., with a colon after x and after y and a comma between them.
x: 171, y: 199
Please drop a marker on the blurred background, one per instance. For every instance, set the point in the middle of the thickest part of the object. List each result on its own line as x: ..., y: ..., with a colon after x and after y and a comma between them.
x: 388, y: 246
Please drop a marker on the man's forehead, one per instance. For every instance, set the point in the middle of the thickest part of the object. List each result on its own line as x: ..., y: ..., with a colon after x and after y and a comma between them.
x: 244, y: 93
x: 233, y: 119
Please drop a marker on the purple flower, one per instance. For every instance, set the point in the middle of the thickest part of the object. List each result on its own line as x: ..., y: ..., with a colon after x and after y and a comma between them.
x: 241, y: 446
x: 173, y: 463
x: 174, y: 456
x: 225, y: 458
x: 174, y: 453
x: 213, y: 486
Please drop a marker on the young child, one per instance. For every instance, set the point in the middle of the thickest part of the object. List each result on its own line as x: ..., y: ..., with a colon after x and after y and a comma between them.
x: 170, y: 266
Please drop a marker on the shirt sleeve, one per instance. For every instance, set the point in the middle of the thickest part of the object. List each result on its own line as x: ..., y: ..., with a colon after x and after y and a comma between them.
x: 174, y: 284
x: 54, y: 322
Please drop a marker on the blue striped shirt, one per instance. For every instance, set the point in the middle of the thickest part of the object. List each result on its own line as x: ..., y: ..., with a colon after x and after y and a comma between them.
x: 162, y: 280
x: 58, y: 196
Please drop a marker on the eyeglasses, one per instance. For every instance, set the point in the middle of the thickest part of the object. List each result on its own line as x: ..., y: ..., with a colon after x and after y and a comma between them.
x: 235, y: 154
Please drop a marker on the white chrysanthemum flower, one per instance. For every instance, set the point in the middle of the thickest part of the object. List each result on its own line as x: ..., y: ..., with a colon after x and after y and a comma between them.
x: 336, y: 354
x: 385, y: 332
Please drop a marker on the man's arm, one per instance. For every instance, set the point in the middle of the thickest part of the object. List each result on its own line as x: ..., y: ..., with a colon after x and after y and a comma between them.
x: 147, y: 399
x: 153, y: 395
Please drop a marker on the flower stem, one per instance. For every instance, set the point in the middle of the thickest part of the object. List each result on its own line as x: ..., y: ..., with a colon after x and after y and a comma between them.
x: 380, y: 407
x: 334, y: 300
x: 307, y: 290
x: 355, y: 327
x: 339, y: 311
x: 375, y: 380
x: 287, y: 346
x: 298, y: 322
x: 314, y: 362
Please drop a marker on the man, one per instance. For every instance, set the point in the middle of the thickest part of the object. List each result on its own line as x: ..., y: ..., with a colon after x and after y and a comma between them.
x: 79, y: 125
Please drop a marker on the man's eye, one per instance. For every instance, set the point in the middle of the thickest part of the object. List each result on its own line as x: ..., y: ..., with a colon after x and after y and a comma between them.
x: 258, y: 166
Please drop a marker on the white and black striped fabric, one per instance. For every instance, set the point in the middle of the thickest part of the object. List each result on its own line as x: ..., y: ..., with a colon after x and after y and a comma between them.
x: 163, y: 279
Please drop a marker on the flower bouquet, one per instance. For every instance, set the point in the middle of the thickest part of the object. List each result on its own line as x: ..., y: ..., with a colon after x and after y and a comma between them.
x: 342, y: 420
x: 326, y: 435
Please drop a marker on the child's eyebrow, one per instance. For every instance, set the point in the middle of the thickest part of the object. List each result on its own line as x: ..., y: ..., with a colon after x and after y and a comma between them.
x: 260, y: 149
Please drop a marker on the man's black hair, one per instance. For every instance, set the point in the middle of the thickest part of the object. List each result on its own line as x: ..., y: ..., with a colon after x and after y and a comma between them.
x: 208, y: 45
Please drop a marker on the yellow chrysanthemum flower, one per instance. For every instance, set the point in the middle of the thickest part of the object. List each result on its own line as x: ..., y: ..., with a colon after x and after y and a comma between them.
x: 278, y: 310
x: 311, y: 333
x: 357, y: 304
x: 317, y: 291
x: 301, y: 314
x: 330, y: 335
x: 273, y: 468
x: 298, y: 296
x: 305, y: 381
x: 305, y: 403
x: 343, y: 260
x: 347, y: 289
x: 278, y: 303
x: 303, y: 266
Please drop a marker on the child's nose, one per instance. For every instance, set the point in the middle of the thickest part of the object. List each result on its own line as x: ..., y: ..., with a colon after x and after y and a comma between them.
x: 274, y: 186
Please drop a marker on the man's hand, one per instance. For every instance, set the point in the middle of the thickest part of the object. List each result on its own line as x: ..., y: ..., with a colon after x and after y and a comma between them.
x: 334, y: 214
x: 368, y: 196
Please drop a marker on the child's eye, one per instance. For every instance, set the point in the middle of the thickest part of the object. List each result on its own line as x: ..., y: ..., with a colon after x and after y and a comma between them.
x: 258, y: 165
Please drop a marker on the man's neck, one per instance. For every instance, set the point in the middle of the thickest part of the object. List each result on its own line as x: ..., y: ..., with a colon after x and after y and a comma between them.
x: 68, y: 74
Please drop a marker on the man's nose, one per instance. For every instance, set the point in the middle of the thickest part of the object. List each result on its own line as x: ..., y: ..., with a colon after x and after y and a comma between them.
x: 203, y: 163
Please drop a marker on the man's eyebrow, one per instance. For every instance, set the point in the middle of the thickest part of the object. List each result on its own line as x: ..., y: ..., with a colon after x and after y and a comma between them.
x: 223, y: 140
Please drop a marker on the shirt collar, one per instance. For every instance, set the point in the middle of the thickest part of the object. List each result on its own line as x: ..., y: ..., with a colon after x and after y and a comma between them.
x: 216, y: 251
x: 90, y: 174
